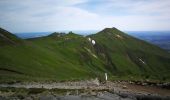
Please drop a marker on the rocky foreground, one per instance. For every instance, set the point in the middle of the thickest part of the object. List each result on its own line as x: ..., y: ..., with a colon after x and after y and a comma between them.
x: 86, y: 90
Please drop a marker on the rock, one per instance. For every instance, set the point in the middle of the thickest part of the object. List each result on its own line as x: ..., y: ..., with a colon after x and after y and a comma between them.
x: 119, y: 36
x: 68, y: 93
x: 124, y: 87
x: 71, y: 97
x: 96, y: 82
x: 138, y: 83
x: 93, y: 93
x: 147, y: 80
x: 144, y: 84
x: 99, y: 94
x: 20, y: 96
x: 3, y: 98
x: 48, y: 97
x: 112, y: 90
x: 84, y: 94
x: 131, y: 82
x: 27, y: 98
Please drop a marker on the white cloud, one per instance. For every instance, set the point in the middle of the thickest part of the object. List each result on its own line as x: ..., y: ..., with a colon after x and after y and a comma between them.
x: 53, y: 15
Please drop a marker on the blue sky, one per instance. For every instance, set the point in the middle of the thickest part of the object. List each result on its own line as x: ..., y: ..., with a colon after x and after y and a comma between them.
x: 56, y: 15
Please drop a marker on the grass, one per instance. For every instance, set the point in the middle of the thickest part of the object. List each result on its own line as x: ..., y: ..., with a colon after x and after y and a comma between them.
x: 61, y: 57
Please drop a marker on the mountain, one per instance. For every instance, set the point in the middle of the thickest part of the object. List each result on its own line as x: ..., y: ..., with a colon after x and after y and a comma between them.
x: 125, y: 55
x: 8, y: 38
x: 60, y: 56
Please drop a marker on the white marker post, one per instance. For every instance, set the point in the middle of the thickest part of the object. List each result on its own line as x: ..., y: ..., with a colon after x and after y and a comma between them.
x: 106, y: 76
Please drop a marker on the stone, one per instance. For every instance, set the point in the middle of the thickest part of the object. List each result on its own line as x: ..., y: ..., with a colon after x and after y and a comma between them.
x: 124, y: 87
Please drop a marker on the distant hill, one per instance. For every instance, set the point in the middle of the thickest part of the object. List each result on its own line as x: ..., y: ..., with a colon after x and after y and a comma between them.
x: 159, y: 38
x: 70, y: 56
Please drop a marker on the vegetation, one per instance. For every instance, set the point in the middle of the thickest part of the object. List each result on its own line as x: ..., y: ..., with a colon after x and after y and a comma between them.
x: 70, y: 56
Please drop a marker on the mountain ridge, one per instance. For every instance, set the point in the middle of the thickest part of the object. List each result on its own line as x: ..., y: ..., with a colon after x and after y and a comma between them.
x: 8, y: 38
x: 108, y: 51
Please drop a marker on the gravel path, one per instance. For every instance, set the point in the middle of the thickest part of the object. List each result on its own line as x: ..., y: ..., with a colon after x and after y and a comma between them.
x: 94, y: 91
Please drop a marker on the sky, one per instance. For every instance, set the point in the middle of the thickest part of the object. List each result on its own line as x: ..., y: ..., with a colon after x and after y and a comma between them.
x: 56, y: 15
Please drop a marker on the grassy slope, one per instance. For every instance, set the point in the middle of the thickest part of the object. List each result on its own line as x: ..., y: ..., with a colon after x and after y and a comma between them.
x: 124, y: 52
x: 72, y: 49
x: 45, y: 58
x: 8, y: 38
x: 71, y: 56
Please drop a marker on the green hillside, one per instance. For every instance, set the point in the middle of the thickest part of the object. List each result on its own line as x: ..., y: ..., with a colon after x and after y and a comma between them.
x: 8, y: 38
x: 70, y: 56
x: 125, y: 55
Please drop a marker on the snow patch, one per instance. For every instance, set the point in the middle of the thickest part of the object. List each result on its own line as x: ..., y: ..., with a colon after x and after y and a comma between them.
x: 91, y: 52
x: 93, y: 42
x: 89, y: 39
x: 141, y: 61
x: 119, y: 36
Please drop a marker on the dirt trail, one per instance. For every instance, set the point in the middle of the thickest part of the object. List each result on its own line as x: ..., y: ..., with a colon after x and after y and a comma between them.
x: 91, y: 90
x: 94, y: 85
x: 148, y: 89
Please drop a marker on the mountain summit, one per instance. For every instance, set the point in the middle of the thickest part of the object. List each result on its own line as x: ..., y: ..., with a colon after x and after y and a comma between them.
x: 125, y: 55
x: 62, y: 56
